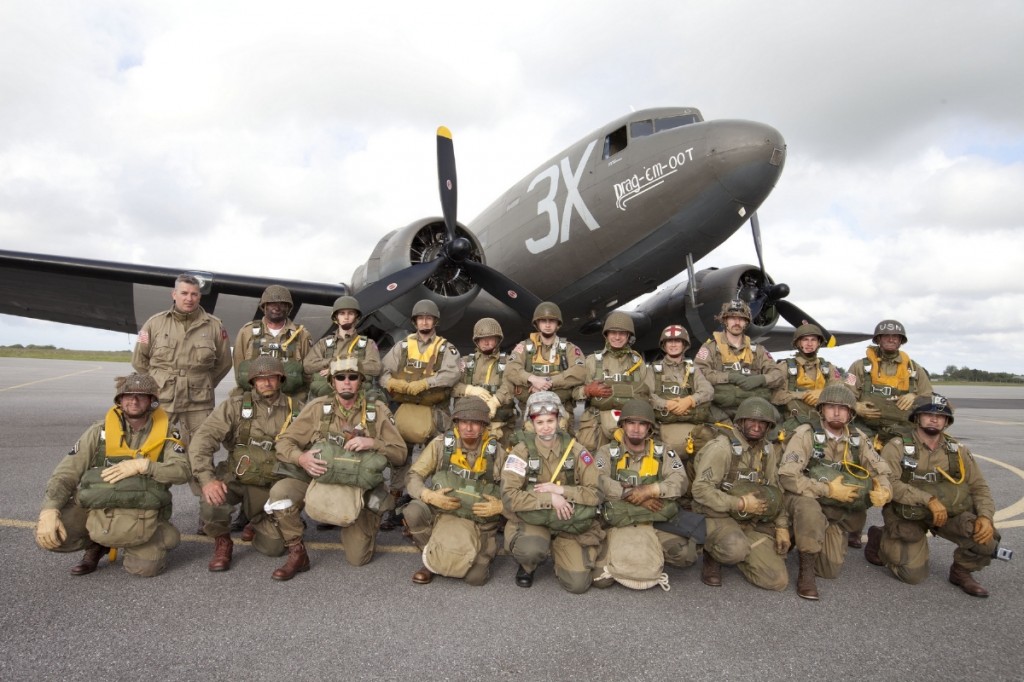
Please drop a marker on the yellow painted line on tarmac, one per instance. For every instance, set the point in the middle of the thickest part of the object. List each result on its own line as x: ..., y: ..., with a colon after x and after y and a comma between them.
x: 1015, y: 509
x: 57, y: 378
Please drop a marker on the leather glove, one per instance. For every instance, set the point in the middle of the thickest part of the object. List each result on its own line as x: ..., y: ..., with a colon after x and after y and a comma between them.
x: 642, y: 493
x: 748, y: 382
x: 939, y: 513
x: 654, y: 504
x: 752, y: 504
x: 397, y: 385
x: 812, y: 397
x: 868, y: 411
x: 50, y: 532
x: 491, y: 507
x: 879, y: 496
x: 477, y: 391
x: 906, y: 401
x: 782, y: 541
x: 681, y: 406
x: 125, y: 469
x: 416, y: 387
x: 984, y: 531
x: 597, y: 389
x: 842, y: 492
x: 440, y: 499
x: 492, y: 404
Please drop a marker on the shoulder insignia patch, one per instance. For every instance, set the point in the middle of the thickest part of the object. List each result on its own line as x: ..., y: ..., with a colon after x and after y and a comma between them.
x: 517, y: 349
x: 586, y: 458
x: 702, y: 354
x: 223, y: 333
x: 144, y: 336
x: 515, y: 464
x: 851, y: 380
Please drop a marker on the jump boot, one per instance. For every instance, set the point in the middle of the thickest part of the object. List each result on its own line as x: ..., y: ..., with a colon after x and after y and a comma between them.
x: 874, y: 544
x: 423, y: 576
x: 298, y: 562
x: 222, y: 549
x: 710, y: 571
x: 90, y: 560
x: 805, y: 586
x: 961, y: 577
x: 853, y: 539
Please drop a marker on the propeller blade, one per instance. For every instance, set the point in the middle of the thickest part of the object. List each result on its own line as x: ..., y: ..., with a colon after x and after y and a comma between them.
x: 755, y: 227
x: 515, y: 296
x: 796, y: 317
x: 382, y: 292
x: 446, y: 179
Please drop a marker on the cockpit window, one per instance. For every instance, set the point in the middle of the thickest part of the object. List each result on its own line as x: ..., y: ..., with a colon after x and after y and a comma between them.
x: 641, y: 128
x: 674, y: 122
x: 614, y: 142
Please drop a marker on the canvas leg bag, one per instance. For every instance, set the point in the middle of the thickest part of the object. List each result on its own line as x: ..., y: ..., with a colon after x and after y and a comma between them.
x: 635, y: 559
x: 453, y: 546
x: 338, y: 505
x: 414, y: 422
x: 122, y: 527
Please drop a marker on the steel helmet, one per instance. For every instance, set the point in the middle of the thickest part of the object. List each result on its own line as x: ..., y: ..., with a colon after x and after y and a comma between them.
x: 674, y: 332
x: 759, y: 409
x: 487, y: 326
x: 544, y: 402
x: 837, y: 393
x: 890, y: 327
x: 346, y: 303
x: 425, y: 307
x: 136, y: 383
x: 735, y: 308
x: 266, y: 366
x: 934, y: 404
x: 638, y: 409
x: 808, y: 329
x: 345, y: 365
x: 547, y: 310
x: 276, y: 293
x: 471, y: 408
x: 618, y: 321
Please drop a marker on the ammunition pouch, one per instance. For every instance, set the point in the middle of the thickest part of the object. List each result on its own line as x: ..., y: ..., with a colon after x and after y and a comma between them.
x: 820, y: 470
x: 468, y: 492
x: 955, y: 498
x: 134, y: 492
x: 619, y: 513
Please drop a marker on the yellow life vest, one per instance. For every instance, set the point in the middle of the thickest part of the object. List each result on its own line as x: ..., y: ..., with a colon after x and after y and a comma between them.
x: 900, y: 380
x: 745, y: 357
x: 117, y: 444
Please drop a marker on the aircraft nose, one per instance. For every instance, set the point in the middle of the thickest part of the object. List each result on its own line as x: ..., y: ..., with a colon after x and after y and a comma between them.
x: 747, y: 158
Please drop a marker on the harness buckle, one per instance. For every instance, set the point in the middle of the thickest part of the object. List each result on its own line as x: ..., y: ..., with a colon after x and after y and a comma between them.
x: 460, y: 472
x: 542, y: 369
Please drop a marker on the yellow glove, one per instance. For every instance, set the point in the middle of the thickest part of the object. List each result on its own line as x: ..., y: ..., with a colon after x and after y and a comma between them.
x: 868, y: 411
x: 126, y: 469
x: 939, y: 513
x: 782, y: 541
x: 841, y: 492
x: 439, y: 499
x: 680, y: 406
x: 642, y: 493
x: 879, y: 496
x: 811, y: 397
x: 984, y: 531
x: 492, y: 507
x: 397, y: 385
x: 906, y: 401
x: 50, y: 532
x: 477, y: 391
x: 416, y: 387
x: 492, y: 404
x: 752, y: 504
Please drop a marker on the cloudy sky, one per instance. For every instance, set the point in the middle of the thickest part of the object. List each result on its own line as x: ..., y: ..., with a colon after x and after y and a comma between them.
x: 218, y: 135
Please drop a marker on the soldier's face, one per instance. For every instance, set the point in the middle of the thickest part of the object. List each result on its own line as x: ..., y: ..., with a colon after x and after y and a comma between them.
x: 547, y: 326
x: 753, y: 429
x: 346, y: 318
x: 276, y: 312
x: 808, y: 345
x: 425, y: 323
x: 617, y: 338
x: 186, y: 297
x: 735, y: 325
x: 835, y: 416
x: 135, y: 405
x: 267, y: 387
x: 931, y: 423
x: 487, y: 344
x: 469, y: 431
x: 545, y: 425
x: 636, y: 431
x: 674, y: 347
x: 890, y: 343
x: 347, y: 385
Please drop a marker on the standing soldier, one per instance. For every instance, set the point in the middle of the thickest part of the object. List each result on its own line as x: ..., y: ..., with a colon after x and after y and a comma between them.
x: 483, y: 376
x: 831, y: 475
x: 249, y: 423
x: 186, y: 351
x: 419, y: 373
x: 340, y: 444
x: 737, y: 368
x: 806, y: 377
x: 550, y: 490
x: 737, y: 488
x: 937, y: 486
x: 277, y: 336
x: 114, y: 485
x: 642, y: 480
x: 455, y: 522
x: 613, y: 376
x: 546, y: 362
x: 344, y: 342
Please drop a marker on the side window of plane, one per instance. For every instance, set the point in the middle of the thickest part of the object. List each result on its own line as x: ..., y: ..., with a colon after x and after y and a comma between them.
x: 614, y: 143
x: 674, y: 122
x: 641, y: 128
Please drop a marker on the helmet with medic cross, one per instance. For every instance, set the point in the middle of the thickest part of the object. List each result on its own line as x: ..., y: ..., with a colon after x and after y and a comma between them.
x: 674, y: 332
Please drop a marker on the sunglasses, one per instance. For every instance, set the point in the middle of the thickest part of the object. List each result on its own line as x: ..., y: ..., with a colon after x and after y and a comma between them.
x: 348, y: 377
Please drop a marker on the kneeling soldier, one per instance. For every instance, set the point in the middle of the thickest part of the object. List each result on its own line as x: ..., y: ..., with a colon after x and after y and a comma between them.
x: 114, y: 486
x: 455, y: 522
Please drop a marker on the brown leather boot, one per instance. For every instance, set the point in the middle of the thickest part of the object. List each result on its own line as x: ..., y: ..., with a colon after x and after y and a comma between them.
x: 874, y: 544
x: 298, y: 562
x: 961, y: 577
x: 710, y: 571
x: 90, y: 560
x: 805, y: 586
x: 248, y: 533
x: 222, y: 549
x: 853, y: 539
x: 423, y: 576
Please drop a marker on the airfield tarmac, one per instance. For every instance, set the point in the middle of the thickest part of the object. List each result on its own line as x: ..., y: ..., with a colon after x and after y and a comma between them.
x: 371, y: 622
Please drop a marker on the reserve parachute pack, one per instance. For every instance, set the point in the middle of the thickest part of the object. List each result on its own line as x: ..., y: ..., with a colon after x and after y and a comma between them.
x: 582, y: 516
x: 819, y: 468
x: 468, y: 485
x: 742, y: 480
x: 624, y: 384
x: 253, y: 460
x: 672, y: 389
x: 954, y: 495
x: 620, y: 513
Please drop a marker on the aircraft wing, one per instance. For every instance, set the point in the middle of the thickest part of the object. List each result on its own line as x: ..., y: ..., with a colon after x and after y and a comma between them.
x: 781, y: 338
x: 121, y: 296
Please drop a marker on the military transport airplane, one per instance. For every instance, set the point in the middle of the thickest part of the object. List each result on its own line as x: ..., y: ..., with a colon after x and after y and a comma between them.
x: 612, y: 217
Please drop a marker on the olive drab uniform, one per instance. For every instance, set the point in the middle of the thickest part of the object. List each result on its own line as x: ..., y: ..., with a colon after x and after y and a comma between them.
x: 249, y: 425
x: 574, y: 549
x: 625, y: 371
x: 290, y: 344
x: 803, y: 374
x: 717, y: 359
x: 732, y: 537
x: 949, y: 473
x: 880, y: 378
x: 820, y: 524
x: 187, y: 355
x: 143, y: 530
x: 322, y: 422
x: 668, y: 379
x: 620, y: 470
x: 335, y: 347
x: 489, y: 371
x: 561, y: 361
x: 470, y: 473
